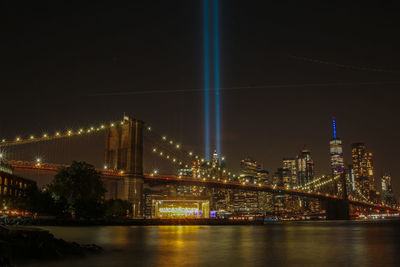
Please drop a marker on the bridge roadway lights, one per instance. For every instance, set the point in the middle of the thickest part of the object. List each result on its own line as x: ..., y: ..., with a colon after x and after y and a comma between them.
x: 337, y: 209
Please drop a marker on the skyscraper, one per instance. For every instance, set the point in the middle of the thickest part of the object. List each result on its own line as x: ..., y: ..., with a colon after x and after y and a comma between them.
x: 363, y: 168
x: 305, y: 167
x: 351, y: 177
x: 387, y: 191
x: 336, y: 152
x: 215, y: 159
x: 289, y: 164
x: 251, y: 172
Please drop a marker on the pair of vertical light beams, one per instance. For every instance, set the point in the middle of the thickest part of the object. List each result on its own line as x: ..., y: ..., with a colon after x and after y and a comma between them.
x: 215, y: 45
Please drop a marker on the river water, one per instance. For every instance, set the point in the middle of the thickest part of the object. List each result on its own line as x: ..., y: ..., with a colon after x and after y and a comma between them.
x: 287, y: 244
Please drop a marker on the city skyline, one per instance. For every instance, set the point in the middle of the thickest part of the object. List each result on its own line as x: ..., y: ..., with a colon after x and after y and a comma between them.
x: 294, y: 172
x: 283, y: 102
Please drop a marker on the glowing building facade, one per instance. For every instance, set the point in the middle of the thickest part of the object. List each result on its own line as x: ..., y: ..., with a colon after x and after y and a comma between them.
x: 363, y: 168
x: 12, y: 186
x: 181, y: 208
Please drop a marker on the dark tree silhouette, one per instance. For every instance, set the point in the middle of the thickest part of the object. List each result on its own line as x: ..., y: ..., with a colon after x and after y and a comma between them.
x: 79, y: 189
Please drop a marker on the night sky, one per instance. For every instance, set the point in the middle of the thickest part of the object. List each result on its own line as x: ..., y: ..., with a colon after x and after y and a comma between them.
x: 286, y: 68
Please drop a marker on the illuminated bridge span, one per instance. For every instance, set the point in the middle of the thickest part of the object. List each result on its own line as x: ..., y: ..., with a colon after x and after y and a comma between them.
x: 124, y: 174
x: 176, y: 179
x: 225, y: 184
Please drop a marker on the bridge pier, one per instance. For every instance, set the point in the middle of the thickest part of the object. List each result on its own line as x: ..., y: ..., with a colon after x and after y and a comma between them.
x: 124, y: 152
x: 134, y: 194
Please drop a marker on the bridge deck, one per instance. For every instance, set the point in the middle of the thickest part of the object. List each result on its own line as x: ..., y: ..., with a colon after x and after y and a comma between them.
x: 173, y: 179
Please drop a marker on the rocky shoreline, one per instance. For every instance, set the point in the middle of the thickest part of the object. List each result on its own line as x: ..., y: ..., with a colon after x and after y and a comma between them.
x: 23, y: 243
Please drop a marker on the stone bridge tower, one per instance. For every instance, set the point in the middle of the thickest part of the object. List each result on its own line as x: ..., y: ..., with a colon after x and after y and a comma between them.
x: 124, y: 152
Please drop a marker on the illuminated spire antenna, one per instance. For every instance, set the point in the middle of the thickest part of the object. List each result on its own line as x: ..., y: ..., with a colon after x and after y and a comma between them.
x: 334, y: 127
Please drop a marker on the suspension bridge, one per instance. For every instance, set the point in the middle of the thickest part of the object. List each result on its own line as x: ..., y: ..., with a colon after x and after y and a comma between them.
x: 136, y: 156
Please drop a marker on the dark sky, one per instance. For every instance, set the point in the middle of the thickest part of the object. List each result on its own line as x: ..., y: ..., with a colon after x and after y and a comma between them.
x: 57, y: 57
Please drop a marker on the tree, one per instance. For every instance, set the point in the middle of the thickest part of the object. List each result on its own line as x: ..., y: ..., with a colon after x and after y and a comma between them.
x: 79, y: 189
x: 35, y: 200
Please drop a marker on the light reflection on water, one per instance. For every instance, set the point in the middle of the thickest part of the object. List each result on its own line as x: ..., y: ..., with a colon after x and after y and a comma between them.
x: 300, y: 244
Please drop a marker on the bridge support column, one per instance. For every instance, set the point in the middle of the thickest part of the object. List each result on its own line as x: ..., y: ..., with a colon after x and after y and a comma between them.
x: 134, y: 194
x: 124, y: 152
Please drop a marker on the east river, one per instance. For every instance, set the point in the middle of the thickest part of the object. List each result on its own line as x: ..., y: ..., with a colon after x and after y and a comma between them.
x: 282, y: 244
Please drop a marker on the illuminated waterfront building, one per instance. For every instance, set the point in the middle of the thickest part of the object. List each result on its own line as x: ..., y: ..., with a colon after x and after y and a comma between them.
x: 168, y: 208
x: 12, y: 186
x: 336, y: 152
x: 363, y: 168
x: 174, y: 192
x: 304, y: 167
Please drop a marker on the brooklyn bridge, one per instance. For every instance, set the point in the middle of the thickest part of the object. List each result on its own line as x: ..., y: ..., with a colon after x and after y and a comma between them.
x: 157, y: 175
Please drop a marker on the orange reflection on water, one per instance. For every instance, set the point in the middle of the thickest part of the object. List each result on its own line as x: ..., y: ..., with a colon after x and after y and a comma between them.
x: 177, y: 244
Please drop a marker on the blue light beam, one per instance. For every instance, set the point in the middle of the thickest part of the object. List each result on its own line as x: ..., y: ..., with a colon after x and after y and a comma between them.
x: 216, y: 78
x: 206, y: 80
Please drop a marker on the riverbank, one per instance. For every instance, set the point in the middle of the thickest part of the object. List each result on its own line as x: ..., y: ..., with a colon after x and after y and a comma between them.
x: 123, y: 222
x: 149, y: 222
x: 24, y: 243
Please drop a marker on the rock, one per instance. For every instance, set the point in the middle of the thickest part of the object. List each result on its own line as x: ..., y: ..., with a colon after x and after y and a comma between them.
x: 5, y: 262
x: 34, y: 243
